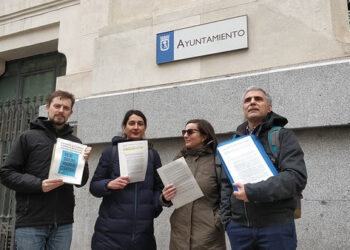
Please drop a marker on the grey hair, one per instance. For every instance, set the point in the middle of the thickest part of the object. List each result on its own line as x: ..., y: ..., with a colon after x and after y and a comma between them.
x: 252, y: 88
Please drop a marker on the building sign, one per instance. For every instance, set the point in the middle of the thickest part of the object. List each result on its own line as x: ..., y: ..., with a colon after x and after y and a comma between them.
x: 206, y: 39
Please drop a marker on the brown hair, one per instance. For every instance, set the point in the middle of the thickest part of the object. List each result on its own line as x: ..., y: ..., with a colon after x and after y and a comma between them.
x: 63, y: 95
x: 206, y: 129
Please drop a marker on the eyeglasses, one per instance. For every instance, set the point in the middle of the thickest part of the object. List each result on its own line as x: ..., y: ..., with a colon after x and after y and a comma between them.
x: 189, y: 131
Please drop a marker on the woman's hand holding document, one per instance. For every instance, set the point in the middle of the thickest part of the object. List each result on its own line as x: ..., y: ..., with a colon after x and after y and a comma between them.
x: 133, y: 159
x: 119, y: 183
x: 68, y: 160
x: 245, y: 160
x: 180, y: 176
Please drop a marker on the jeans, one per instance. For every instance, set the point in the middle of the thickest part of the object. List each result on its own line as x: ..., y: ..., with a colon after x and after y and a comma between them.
x: 49, y: 237
x: 279, y: 237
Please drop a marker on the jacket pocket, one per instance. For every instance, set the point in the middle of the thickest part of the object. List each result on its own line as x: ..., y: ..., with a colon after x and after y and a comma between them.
x: 26, y: 206
x: 22, y: 206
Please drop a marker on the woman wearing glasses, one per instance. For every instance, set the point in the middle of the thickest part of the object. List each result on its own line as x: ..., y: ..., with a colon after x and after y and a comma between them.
x: 197, y: 225
x: 127, y: 210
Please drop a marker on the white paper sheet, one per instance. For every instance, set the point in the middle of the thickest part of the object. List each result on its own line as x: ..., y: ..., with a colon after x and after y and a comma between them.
x: 133, y: 159
x: 244, y: 161
x: 179, y: 174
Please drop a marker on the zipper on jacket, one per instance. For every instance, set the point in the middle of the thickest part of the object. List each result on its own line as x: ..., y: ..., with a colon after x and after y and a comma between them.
x: 55, y: 211
x: 26, y: 204
x: 56, y: 194
x: 135, y: 211
x: 246, y: 214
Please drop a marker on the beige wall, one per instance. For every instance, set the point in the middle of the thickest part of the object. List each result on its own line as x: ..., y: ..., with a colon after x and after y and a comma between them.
x: 281, y: 33
x: 69, y: 26
x: 110, y: 45
x: 11, y: 7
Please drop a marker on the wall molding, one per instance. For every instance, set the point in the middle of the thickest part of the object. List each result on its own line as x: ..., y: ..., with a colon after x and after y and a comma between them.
x: 37, y: 10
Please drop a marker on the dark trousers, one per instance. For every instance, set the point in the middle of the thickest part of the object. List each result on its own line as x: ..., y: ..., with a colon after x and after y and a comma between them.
x: 277, y: 237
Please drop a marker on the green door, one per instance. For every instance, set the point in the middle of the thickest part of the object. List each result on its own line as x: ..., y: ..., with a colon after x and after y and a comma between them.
x: 24, y: 86
x: 31, y: 77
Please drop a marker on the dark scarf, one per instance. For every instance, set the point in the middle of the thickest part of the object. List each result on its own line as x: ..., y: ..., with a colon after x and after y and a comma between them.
x: 205, y: 150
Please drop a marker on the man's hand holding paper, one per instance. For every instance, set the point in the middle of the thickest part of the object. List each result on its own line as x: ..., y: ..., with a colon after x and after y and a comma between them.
x: 50, y: 184
x: 87, y: 152
x: 240, y: 194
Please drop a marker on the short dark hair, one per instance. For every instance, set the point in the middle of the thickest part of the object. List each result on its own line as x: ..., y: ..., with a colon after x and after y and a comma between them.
x: 133, y: 112
x: 63, y: 95
x: 205, y: 128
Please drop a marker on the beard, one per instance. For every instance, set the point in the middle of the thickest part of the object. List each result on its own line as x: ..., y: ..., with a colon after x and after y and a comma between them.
x: 58, y: 121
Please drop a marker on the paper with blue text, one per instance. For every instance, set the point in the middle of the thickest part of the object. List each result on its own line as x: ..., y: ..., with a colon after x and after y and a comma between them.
x: 67, y: 161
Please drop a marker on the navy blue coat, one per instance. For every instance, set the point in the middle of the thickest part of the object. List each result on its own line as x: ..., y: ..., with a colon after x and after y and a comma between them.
x: 126, y: 215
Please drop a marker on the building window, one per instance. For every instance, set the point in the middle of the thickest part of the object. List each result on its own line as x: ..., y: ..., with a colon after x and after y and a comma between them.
x: 31, y: 77
x: 349, y: 11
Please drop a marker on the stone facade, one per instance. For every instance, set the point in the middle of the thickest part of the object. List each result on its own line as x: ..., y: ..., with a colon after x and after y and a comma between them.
x: 298, y: 51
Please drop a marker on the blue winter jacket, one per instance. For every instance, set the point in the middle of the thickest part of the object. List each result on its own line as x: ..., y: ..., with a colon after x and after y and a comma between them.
x: 126, y: 215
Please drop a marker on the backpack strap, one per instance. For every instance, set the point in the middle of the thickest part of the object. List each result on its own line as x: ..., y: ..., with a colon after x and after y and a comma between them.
x: 151, y: 155
x: 236, y: 134
x: 274, y: 143
x: 114, y: 153
x: 218, y: 171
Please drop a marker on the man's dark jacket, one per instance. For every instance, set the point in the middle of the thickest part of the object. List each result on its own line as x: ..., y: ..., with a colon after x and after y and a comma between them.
x: 27, y: 165
x: 271, y: 201
x: 126, y: 215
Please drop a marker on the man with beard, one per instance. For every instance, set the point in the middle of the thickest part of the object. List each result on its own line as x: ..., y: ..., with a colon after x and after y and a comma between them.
x: 44, y: 207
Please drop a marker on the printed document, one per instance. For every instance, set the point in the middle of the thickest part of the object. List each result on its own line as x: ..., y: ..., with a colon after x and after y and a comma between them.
x: 179, y: 174
x: 245, y: 160
x: 67, y: 161
x: 133, y: 159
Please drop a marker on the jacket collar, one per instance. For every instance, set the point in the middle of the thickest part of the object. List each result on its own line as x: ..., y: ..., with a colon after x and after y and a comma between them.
x: 44, y: 124
x: 271, y: 120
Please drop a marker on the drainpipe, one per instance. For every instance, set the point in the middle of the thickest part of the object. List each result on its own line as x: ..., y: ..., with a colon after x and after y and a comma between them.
x: 2, y: 66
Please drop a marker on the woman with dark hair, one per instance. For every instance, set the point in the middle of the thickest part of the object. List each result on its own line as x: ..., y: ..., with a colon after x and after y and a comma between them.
x: 127, y: 210
x: 197, y: 225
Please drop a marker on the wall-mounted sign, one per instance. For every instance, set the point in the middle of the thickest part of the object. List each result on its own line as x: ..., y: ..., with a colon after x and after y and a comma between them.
x: 211, y: 38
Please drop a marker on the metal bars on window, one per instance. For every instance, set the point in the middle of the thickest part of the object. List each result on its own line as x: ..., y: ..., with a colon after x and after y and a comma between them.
x: 15, y: 117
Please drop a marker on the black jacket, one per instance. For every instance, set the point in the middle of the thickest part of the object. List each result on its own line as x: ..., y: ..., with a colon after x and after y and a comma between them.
x: 126, y: 215
x: 271, y: 201
x: 27, y: 165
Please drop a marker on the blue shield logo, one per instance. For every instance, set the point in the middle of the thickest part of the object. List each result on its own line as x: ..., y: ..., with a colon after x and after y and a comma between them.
x: 165, y: 47
x: 164, y: 43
